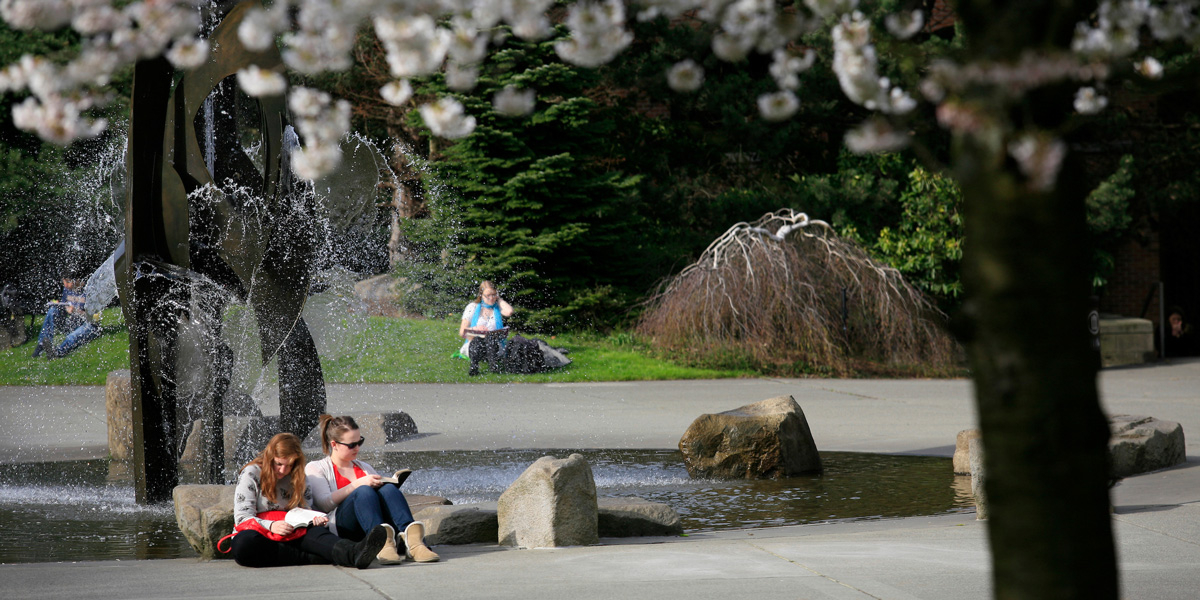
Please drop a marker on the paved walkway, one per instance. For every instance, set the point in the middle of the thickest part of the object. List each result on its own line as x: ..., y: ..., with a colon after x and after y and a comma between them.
x: 1157, y: 519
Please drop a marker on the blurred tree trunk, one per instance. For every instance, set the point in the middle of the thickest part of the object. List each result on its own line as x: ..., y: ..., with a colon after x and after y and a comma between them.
x: 1026, y: 279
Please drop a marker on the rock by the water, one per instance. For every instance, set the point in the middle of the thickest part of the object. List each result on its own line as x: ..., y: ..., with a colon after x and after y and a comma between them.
x: 205, y: 515
x: 553, y: 503
x: 962, y: 455
x: 765, y: 439
x: 460, y: 524
x: 978, y: 476
x: 1140, y: 444
x: 118, y: 408
x: 636, y: 517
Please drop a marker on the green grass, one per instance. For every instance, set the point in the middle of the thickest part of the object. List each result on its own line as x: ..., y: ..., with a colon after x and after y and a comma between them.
x: 373, y: 350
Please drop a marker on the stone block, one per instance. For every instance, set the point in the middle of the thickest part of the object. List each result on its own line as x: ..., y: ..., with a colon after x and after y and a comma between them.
x: 460, y: 524
x: 962, y: 454
x: 377, y: 428
x: 978, y: 477
x: 553, y: 503
x: 1125, y: 341
x: 636, y: 517
x: 1140, y: 444
x: 205, y: 515
x: 118, y: 407
x: 770, y: 438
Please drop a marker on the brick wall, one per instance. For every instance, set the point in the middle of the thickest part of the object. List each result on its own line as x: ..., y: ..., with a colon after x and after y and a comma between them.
x: 1136, y: 268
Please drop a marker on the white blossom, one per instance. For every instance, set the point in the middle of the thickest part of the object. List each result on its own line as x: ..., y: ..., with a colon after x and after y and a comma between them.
x: 446, y: 118
x: 512, y: 102
x: 97, y: 19
x: 826, y: 8
x: 57, y: 119
x: 257, y: 30
x: 307, y: 102
x: 258, y: 82
x: 786, y: 68
x: 36, y: 14
x: 778, y: 106
x: 1089, y: 102
x: 597, y: 33
x: 906, y: 24
x: 730, y: 48
x: 461, y: 78
x: 312, y: 162
x: 396, y: 92
x: 1039, y: 157
x: 1149, y: 68
x: 875, y: 136
x: 188, y: 53
x: 685, y: 76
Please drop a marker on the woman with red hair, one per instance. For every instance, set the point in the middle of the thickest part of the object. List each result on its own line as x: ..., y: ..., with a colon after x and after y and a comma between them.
x: 269, y: 486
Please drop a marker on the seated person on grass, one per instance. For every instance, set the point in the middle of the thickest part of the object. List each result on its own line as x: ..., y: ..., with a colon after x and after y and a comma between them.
x: 485, y: 314
x: 67, y: 314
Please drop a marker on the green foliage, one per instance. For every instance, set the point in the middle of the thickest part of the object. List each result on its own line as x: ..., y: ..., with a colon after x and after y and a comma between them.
x: 540, y: 206
x: 1109, y: 217
x: 926, y: 244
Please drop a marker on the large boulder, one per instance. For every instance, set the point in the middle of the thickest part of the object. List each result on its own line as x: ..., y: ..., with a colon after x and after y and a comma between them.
x: 553, y: 503
x: 1140, y: 444
x: 765, y: 439
x: 635, y: 517
x: 205, y: 515
x: 460, y: 524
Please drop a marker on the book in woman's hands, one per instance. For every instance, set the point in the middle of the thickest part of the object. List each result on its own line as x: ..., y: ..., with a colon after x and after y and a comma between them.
x: 398, y: 477
x: 301, y: 517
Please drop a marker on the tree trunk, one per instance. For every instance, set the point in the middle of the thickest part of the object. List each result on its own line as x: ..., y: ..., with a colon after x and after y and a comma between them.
x: 1026, y: 279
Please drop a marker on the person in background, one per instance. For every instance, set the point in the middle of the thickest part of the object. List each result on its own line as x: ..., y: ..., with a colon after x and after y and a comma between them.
x: 275, y: 481
x: 1181, y: 336
x: 485, y: 314
x: 356, y: 497
x: 67, y: 314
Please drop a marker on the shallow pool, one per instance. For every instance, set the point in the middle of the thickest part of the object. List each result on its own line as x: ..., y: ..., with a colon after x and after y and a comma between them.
x: 72, y: 513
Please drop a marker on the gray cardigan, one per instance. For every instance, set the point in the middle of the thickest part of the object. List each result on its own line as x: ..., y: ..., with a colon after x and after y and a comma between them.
x: 322, y: 480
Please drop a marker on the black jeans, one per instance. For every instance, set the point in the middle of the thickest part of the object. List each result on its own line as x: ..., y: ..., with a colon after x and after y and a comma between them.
x: 253, y: 549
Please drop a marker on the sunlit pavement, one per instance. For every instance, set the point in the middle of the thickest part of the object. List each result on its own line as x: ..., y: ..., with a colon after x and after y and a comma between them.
x: 1156, y: 520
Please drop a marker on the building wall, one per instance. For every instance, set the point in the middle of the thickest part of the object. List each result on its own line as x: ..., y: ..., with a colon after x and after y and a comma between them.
x: 1136, y: 269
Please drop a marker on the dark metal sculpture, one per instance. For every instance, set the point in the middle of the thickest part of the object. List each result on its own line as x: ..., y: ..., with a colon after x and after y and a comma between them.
x: 183, y: 237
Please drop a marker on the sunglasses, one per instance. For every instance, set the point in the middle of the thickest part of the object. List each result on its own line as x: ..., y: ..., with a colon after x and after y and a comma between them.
x: 353, y: 445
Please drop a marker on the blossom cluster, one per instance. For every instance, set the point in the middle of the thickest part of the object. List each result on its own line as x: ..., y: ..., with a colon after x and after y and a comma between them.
x: 62, y: 95
x: 423, y: 37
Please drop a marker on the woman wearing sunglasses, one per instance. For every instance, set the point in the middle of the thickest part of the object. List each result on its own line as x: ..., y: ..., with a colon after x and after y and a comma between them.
x: 356, y: 497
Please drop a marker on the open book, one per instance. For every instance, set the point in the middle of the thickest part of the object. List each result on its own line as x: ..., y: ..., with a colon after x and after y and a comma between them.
x: 301, y: 517
x: 486, y: 332
x: 398, y: 477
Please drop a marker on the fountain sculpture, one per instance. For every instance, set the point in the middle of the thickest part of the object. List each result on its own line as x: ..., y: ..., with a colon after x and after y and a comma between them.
x: 201, y: 213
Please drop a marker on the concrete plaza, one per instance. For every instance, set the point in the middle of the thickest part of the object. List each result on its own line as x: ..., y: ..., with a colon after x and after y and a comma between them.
x: 1156, y: 521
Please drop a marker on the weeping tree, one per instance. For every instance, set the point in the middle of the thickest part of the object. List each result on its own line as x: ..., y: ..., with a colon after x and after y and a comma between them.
x: 786, y: 289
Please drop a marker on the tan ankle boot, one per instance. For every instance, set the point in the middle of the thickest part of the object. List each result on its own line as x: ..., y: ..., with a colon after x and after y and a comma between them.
x: 390, y: 555
x: 414, y: 543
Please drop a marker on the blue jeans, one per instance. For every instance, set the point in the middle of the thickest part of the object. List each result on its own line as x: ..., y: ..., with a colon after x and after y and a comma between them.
x: 58, y: 319
x: 367, y: 507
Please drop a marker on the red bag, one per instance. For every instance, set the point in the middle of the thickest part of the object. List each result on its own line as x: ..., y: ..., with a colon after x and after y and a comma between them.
x: 254, y: 525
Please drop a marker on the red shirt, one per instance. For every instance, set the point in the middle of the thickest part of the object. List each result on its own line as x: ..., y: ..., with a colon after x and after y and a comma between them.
x: 342, y: 481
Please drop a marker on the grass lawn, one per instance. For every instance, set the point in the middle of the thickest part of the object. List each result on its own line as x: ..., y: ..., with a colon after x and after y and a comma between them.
x: 369, y: 350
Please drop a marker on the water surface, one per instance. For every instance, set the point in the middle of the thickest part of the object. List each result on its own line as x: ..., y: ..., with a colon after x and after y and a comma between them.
x: 67, y: 511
